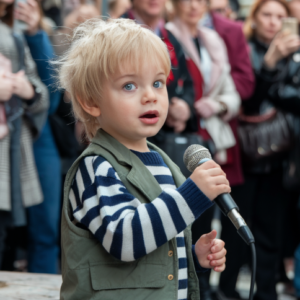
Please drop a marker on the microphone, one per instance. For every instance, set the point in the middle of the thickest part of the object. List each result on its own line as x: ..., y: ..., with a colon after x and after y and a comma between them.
x: 194, y: 156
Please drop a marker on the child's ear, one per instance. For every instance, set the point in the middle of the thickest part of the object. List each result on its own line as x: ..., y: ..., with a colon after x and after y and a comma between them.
x: 91, y: 110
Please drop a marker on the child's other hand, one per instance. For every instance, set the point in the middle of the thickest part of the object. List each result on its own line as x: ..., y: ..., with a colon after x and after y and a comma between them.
x: 211, y: 252
x: 211, y: 180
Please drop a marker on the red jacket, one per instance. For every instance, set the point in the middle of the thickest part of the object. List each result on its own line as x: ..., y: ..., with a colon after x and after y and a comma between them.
x: 239, y: 58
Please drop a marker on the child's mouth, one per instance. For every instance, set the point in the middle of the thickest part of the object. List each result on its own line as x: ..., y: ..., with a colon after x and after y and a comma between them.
x: 150, y: 117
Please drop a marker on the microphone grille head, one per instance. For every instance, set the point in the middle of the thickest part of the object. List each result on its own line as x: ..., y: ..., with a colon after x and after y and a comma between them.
x: 193, y: 155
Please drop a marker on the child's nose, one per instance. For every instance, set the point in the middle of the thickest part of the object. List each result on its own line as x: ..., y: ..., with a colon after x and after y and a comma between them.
x: 149, y: 96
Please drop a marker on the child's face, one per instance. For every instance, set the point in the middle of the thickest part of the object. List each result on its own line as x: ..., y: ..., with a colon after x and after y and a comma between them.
x: 134, y: 105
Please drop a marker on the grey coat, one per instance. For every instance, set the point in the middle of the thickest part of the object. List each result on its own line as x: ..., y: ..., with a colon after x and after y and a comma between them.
x: 30, y: 186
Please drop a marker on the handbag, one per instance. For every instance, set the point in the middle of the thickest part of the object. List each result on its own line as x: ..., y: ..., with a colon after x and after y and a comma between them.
x: 264, y: 136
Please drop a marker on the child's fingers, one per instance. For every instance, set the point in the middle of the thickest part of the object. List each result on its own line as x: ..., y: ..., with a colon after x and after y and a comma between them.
x: 222, y: 189
x: 218, y: 262
x: 217, y: 255
x: 217, y: 246
x: 220, y: 268
x: 209, y: 165
x: 216, y: 172
x: 209, y: 237
x: 221, y: 179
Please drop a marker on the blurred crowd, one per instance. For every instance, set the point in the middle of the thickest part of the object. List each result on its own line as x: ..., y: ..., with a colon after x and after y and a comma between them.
x: 234, y: 88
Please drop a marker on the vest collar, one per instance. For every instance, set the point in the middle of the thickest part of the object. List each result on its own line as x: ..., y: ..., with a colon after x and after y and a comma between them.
x: 127, y: 158
x: 121, y: 153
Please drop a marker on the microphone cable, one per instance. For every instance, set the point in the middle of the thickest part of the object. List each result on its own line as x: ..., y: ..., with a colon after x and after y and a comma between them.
x: 253, y: 274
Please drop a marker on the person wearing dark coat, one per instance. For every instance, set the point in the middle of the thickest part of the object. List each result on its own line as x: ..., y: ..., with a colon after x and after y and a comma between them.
x: 276, y: 66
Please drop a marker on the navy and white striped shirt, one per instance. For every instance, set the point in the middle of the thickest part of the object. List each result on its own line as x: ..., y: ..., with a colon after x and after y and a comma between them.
x: 127, y: 228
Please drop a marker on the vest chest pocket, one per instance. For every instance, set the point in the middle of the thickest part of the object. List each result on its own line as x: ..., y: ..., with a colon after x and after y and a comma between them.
x: 133, y: 275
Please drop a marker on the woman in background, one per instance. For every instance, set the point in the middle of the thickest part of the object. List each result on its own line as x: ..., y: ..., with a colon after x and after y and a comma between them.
x: 216, y: 101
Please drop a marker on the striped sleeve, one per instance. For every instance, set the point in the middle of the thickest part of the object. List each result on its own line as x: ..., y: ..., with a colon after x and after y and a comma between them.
x: 125, y: 227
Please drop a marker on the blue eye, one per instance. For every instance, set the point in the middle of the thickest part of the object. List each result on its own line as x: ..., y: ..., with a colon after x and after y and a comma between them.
x: 157, y: 84
x: 129, y: 87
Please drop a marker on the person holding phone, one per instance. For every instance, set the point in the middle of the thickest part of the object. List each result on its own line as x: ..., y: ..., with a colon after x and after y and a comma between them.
x: 274, y: 55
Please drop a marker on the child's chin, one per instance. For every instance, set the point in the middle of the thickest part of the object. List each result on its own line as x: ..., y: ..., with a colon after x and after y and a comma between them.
x: 152, y: 133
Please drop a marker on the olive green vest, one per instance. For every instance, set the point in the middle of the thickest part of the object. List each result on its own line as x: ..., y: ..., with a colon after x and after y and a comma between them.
x: 89, y: 271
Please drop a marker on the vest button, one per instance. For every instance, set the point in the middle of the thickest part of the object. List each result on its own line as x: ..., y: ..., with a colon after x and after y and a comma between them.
x: 191, y: 274
x: 170, y: 277
x: 170, y: 253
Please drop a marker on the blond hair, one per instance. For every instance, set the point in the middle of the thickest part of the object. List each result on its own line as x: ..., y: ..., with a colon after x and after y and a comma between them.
x: 99, y: 49
x: 248, y: 28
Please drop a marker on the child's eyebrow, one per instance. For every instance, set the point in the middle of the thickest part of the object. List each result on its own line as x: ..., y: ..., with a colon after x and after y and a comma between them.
x: 135, y: 75
x: 126, y: 75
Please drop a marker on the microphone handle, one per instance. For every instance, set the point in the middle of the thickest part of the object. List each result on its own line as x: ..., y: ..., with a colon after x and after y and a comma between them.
x: 230, y: 209
x: 226, y: 203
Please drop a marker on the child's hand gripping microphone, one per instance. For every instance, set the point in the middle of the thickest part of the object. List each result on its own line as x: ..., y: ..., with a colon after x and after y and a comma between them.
x: 196, y: 155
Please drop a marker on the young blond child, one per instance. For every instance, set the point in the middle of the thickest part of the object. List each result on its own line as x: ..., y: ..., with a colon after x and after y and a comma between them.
x: 127, y: 208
